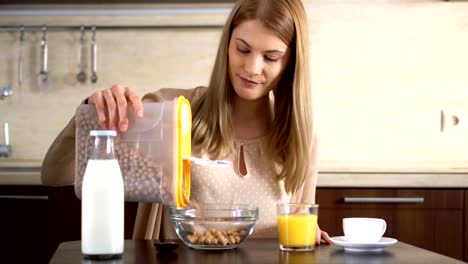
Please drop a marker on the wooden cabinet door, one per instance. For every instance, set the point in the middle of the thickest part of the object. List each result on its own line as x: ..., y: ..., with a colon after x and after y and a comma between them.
x: 431, y: 219
x: 24, y: 225
x: 378, y: 104
x: 466, y: 227
x: 66, y: 211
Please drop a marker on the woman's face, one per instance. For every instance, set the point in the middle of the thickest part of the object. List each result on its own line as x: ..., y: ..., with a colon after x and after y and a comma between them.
x: 257, y: 58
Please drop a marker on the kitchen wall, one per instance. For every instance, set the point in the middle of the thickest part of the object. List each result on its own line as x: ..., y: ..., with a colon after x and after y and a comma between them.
x: 382, y: 72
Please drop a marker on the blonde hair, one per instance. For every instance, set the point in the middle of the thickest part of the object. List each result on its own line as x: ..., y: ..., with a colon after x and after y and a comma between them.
x: 291, y: 137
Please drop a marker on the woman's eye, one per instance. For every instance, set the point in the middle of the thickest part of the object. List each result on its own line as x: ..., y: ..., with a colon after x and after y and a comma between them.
x: 271, y: 59
x: 243, y: 51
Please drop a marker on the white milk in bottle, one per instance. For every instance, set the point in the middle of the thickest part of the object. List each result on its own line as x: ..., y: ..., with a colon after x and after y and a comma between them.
x: 102, y: 203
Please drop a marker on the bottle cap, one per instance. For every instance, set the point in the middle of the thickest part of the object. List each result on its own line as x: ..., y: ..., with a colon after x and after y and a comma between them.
x: 111, y: 133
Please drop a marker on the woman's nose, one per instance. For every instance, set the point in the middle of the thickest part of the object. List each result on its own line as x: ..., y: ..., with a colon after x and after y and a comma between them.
x: 254, y: 65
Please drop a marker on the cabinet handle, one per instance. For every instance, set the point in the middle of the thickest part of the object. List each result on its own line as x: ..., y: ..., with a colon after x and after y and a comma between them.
x: 384, y: 199
x: 24, y: 197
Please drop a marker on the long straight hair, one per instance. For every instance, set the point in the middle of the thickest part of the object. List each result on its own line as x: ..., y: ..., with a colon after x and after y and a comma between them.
x: 291, y: 137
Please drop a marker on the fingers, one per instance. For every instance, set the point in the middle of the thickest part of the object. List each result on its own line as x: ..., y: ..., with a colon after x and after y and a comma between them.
x: 135, y: 101
x: 322, y: 235
x: 326, y: 237
x: 98, y: 100
x: 112, y: 106
x: 121, y: 120
x: 318, y: 236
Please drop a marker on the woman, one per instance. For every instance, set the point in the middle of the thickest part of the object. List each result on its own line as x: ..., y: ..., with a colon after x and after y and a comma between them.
x: 256, y: 112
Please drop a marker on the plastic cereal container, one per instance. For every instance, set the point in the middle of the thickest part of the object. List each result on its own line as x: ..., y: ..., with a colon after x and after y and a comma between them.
x: 150, y: 153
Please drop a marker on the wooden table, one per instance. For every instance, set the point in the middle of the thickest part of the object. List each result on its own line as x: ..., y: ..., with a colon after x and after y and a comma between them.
x: 253, y: 251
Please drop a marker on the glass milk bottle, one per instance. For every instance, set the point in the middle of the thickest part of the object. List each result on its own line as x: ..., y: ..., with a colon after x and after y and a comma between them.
x: 102, y: 202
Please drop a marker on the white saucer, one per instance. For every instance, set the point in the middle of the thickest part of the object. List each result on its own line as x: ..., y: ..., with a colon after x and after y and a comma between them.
x: 363, y: 247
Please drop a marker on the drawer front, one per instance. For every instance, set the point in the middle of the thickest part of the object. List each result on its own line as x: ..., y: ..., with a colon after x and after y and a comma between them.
x: 390, y: 198
x: 432, y: 219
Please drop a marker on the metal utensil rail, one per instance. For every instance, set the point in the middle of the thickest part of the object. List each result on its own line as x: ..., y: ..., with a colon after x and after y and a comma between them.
x: 32, y: 28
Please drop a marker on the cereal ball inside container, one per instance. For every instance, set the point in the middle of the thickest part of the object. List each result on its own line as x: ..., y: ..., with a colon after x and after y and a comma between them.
x: 214, y: 226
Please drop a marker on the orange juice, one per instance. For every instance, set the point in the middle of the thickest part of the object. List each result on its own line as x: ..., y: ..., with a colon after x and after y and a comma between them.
x: 297, y: 230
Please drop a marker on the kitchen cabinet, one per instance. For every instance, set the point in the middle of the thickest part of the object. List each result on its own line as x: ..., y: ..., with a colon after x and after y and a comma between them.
x: 26, y: 225
x: 36, y: 219
x: 466, y: 227
x: 66, y: 210
x: 66, y: 215
x: 433, y: 219
x: 377, y: 91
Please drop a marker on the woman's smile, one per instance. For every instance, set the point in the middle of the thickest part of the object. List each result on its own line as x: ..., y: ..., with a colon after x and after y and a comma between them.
x: 248, y: 83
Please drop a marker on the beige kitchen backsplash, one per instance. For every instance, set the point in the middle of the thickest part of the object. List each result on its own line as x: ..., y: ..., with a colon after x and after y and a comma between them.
x: 382, y: 72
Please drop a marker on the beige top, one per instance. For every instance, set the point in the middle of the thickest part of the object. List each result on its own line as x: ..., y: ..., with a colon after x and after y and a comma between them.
x: 258, y: 187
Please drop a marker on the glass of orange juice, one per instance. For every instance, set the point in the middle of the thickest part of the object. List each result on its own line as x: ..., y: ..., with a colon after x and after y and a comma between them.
x: 297, y: 226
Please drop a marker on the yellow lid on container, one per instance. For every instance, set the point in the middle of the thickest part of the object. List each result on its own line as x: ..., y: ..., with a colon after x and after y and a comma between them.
x: 183, y: 142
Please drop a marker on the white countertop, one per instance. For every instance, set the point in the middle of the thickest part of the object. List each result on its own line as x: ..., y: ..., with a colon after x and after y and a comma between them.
x: 20, y: 178
x: 397, y: 180
x: 20, y: 172
x: 28, y: 173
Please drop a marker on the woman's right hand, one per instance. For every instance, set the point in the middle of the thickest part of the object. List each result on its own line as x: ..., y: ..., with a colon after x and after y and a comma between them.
x: 112, y: 105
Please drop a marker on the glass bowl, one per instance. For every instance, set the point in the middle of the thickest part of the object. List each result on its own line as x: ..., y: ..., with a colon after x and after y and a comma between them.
x: 214, y: 226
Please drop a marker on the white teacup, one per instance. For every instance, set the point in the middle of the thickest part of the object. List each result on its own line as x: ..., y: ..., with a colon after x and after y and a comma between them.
x: 364, y: 230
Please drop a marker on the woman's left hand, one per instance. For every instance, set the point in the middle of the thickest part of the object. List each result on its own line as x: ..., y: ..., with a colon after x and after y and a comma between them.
x: 322, y: 235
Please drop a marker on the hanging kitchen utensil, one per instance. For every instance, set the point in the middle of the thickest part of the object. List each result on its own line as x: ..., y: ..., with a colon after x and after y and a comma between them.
x: 5, y: 149
x: 44, y: 49
x: 94, y: 77
x: 6, y: 92
x: 20, y: 92
x: 44, y: 78
x: 81, y: 76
